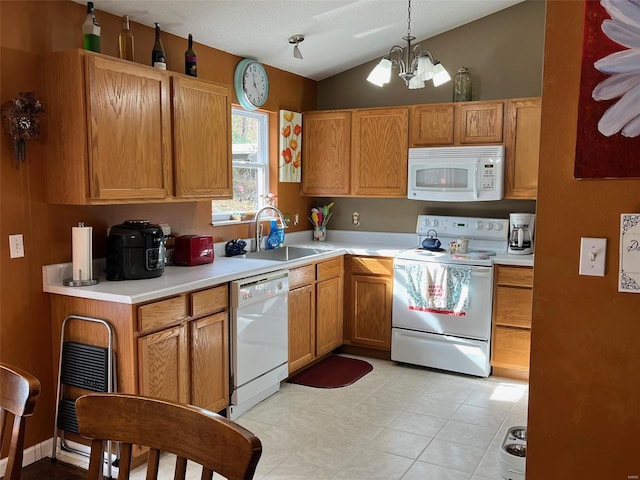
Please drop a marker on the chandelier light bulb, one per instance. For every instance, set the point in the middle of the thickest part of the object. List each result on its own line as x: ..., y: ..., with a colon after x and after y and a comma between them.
x: 295, y: 40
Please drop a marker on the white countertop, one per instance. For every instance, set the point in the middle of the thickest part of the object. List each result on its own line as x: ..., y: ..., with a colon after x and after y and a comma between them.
x: 176, y: 280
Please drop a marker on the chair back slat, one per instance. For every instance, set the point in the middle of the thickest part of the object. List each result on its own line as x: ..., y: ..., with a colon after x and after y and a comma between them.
x: 206, y: 438
x: 19, y: 392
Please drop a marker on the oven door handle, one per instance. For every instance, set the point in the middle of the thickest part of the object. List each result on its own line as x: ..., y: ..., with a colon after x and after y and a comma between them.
x: 482, y: 271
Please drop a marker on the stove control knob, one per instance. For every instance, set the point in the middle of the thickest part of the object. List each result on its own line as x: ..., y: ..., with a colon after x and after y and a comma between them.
x: 498, y: 226
x: 479, y: 226
x: 489, y: 226
x: 436, y: 223
x: 426, y: 222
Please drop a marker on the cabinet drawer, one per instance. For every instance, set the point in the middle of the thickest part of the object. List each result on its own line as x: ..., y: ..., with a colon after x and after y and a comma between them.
x: 516, y: 276
x: 160, y: 314
x: 329, y: 269
x: 511, y: 347
x: 513, y: 306
x: 209, y: 301
x: 300, y: 276
x: 372, y: 266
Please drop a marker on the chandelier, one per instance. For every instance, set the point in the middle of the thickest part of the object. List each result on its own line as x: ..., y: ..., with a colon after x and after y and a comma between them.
x: 415, y: 66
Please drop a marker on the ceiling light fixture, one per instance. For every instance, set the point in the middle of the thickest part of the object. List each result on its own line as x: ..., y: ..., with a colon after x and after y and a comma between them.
x: 416, y: 66
x: 295, y: 40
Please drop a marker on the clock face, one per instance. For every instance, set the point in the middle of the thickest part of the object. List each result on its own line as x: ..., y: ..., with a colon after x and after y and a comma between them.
x: 252, y: 84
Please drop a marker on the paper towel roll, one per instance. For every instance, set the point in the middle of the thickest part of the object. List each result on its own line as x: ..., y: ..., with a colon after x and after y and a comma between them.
x: 82, y: 254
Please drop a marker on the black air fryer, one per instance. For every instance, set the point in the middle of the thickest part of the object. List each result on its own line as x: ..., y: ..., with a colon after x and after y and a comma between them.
x: 135, y: 250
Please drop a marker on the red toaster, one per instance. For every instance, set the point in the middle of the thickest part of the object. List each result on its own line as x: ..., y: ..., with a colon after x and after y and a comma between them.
x: 193, y: 250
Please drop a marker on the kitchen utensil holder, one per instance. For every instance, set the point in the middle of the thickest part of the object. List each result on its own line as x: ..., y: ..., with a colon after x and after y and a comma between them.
x: 319, y: 234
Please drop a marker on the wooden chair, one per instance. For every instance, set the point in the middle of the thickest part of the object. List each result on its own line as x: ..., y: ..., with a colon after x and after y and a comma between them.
x: 191, y: 433
x: 19, y: 391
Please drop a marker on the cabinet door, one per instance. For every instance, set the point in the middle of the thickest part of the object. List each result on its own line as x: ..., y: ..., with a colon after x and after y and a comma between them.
x: 370, y: 307
x: 329, y: 314
x: 380, y: 140
x: 302, y: 327
x: 164, y: 364
x: 202, y: 139
x: 522, y: 143
x: 129, y: 136
x: 432, y: 125
x: 479, y: 122
x: 210, y: 362
x: 326, y: 154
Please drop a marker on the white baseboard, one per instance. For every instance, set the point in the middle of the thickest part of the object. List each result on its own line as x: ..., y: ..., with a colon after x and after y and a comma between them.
x: 31, y: 455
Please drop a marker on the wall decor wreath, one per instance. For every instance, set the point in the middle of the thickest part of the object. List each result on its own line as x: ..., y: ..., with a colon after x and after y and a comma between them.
x: 21, y: 114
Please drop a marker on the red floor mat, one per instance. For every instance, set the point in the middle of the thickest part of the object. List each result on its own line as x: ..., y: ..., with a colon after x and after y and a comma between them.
x: 333, y: 372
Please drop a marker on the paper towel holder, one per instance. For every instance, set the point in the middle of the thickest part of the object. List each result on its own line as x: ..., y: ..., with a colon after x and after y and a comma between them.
x: 71, y: 282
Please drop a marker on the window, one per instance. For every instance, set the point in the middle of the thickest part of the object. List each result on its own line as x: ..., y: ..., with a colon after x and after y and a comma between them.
x: 250, y: 173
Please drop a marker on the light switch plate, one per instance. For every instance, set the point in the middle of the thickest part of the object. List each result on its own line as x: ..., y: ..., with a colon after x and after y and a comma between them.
x: 593, y: 255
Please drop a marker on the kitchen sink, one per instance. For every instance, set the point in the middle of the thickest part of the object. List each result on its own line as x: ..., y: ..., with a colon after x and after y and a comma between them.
x: 284, y: 254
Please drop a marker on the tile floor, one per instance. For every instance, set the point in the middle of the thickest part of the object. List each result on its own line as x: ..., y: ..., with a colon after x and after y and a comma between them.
x: 397, y: 422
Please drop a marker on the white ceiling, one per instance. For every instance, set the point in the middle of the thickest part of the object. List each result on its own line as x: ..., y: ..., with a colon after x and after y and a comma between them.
x: 339, y: 34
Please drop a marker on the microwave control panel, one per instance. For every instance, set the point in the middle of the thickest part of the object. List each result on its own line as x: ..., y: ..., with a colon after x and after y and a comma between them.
x: 488, y: 177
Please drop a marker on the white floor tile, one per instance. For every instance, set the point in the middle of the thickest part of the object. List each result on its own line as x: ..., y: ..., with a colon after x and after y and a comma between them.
x: 429, y: 471
x: 399, y: 443
x: 452, y: 455
x: 374, y: 465
x: 467, y: 434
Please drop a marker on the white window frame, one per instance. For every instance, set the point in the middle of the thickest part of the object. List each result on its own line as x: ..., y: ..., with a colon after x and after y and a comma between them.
x: 262, y: 167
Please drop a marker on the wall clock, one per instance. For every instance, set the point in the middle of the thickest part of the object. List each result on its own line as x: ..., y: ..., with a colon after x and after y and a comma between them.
x: 251, y: 84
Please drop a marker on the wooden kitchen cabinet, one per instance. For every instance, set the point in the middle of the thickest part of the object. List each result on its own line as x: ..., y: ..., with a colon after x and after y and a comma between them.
x: 511, y: 326
x: 302, y: 316
x: 175, y: 348
x: 315, y: 311
x: 119, y: 132
x: 457, y: 123
x: 522, y: 145
x: 327, y: 153
x: 361, y: 152
x: 201, y: 138
x: 379, y: 161
x: 369, y: 300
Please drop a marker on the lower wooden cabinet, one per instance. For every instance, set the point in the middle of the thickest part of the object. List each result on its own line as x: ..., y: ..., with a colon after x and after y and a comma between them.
x: 368, y: 302
x: 315, y: 311
x: 511, y: 329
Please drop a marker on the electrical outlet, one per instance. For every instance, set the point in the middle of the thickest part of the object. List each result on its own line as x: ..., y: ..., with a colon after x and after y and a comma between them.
x: 296, y: 219
x: 16, y: 246
x: 355, y: 218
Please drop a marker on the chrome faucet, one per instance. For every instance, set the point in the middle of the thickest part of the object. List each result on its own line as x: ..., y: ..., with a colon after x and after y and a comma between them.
x: 259, y: 227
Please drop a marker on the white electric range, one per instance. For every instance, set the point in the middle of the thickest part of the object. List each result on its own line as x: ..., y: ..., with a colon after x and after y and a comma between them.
x: 442, y: 301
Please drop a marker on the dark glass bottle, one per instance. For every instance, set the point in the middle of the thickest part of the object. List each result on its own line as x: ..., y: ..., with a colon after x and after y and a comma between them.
x: 125, y: 40
x: 91, y: 30
x: 190, y: 59
x: 158, y: 60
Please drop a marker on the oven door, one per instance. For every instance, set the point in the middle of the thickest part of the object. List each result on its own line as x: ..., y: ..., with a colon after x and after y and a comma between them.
x: 475, y: 324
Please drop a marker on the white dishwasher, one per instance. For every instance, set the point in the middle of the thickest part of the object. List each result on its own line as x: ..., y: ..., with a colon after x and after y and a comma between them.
x: 259, y: 339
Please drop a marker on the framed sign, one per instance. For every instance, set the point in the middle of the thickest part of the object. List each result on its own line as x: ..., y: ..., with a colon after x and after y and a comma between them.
x: 608, y: 139
x: 629, y: 279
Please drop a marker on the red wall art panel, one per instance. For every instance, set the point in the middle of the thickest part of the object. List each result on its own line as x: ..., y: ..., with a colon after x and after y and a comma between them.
x: 608, y: 141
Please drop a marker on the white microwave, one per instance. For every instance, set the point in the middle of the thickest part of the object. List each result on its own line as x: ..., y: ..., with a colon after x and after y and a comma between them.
x: 456, y: 174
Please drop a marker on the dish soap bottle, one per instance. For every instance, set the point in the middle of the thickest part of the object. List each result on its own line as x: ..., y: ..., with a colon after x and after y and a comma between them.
x: 273, y: 240
x: 280, y: 230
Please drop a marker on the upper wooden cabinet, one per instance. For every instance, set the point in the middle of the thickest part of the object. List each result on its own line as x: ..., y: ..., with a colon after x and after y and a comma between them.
x: 326, y: 153
x: 432, y: 125
x: 522, y: 142
x: 109, y: 132
x: 201, y: 138
x: 463, y: 123
x: 380, y: 142
x: 360, y: 152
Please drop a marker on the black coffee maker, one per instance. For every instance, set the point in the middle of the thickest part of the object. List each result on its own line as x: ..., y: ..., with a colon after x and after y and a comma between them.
x: 135, y: 250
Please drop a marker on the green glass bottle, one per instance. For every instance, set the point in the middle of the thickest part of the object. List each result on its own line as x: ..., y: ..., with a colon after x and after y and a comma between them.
x: 462, y: 86
x: 91, y: 30
x: 190, y: 59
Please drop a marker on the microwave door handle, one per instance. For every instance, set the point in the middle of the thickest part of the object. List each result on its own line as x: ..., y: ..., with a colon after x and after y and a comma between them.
x: 475, y: 180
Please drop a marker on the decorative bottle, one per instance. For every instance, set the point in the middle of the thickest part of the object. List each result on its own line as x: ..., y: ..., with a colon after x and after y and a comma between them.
x: 190, y: 59
x: 125, y: 40
x: 158, y: 60
x: 91, y: 30
x: 462, y: 86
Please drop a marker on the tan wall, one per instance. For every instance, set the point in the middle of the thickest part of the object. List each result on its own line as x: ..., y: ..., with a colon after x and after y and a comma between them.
x: 504, y: 52
x: 28, y: 29
x: 584, y: 384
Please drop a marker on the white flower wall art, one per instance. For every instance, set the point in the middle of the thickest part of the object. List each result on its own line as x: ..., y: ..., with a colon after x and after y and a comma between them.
x: 608, y: 140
